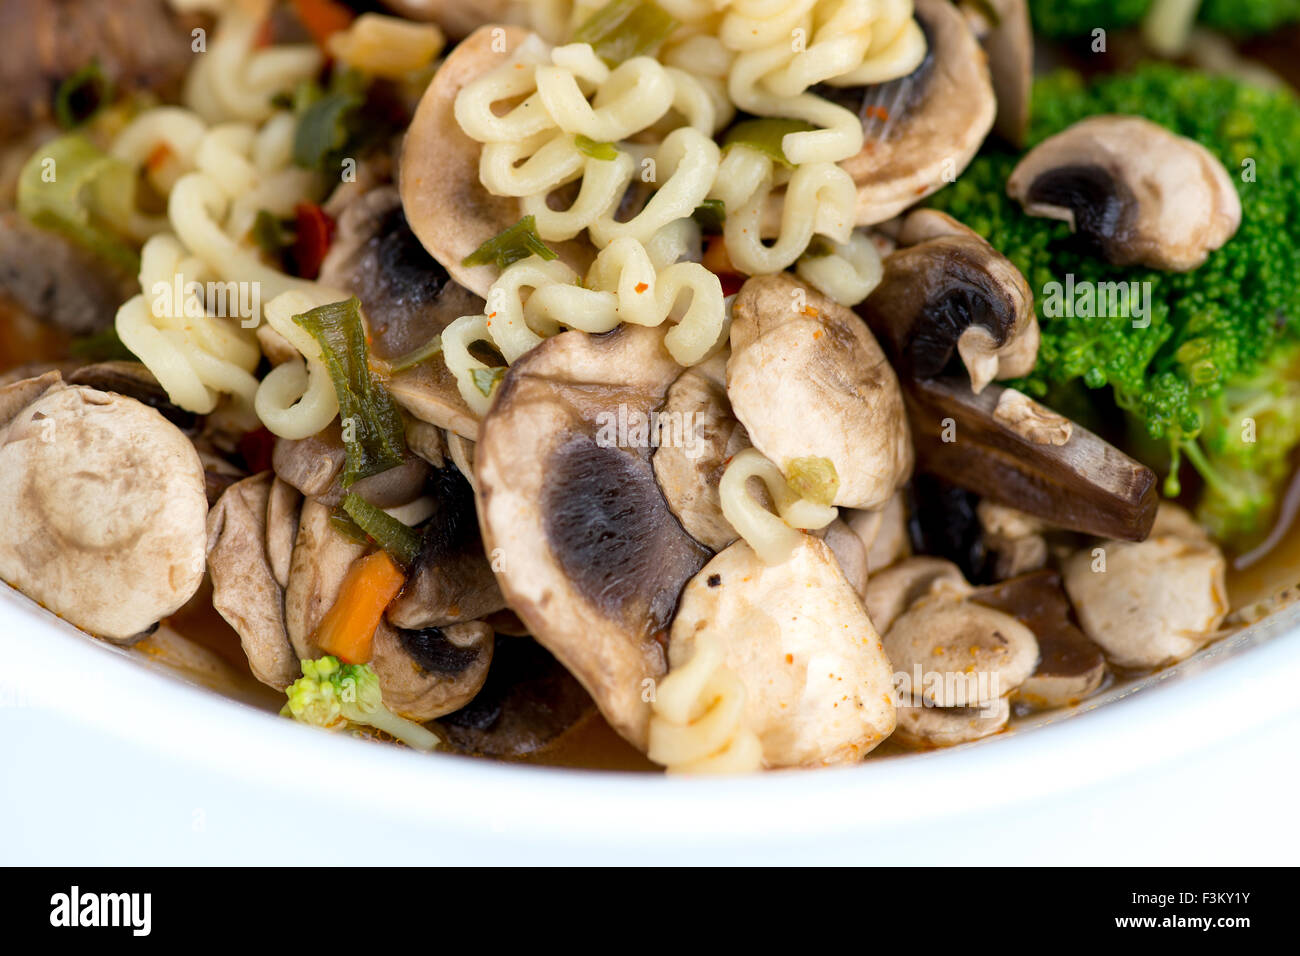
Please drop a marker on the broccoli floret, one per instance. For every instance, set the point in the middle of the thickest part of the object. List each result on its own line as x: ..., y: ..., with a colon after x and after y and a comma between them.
x: 1212, y: 329
x: 1248, y: 17
x: 1244, y: 452
x: 1077, y: 18
x: 334, y: 696
x: 1053, y: 18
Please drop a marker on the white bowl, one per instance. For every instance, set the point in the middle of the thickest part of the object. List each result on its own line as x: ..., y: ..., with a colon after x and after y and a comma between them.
x: 107, y: 760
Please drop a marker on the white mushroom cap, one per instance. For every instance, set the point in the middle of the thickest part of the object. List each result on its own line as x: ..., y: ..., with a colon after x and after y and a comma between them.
x: 102, y: 510
x: 1139, y: 193
x: 1157, y: 601
x: 979, y: 653
x: 808, y: 380
x: 925, y: 727
x: 818, y: 685
x: 899, y: 586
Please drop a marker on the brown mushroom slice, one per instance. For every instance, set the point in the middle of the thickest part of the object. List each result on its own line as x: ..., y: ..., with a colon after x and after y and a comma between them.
x: 893, y: 590
x: 429, y: 392
x: 1070, y: 666
x: 818, y: 687
x: 1084, y: 484
x: 1133, y: 192
x: 16, y: 396
x: 587, y: 552
x: 849, y: 551
x: 923, y: 728
x: 282, y: 507
x: 314, y: 466
x: 1004, y: 32
x: 807, y: 380
x: 689, y: 470
x: 431, y: 672
x: 921, y: 129
x: 244, y: 587
x: 102, y: 508
x: 446, y: 205
x: 525, y: 707
x: 427, y: 441
x: 883, y: 532
x: 134, y: 381
x: 407, y: 297
x: 452, y: 580
x: 322, y: 555
x: 1015, y: 539
x: 974, y: 653
x: 948, y: 294
x: 1150, y: 603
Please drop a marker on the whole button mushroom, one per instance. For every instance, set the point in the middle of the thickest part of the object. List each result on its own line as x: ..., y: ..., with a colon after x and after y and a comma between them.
x: 1134, y: 191
x: 102, y: 507
x: 807, y: 380
x: 817, y: 682
x: 1154, y: 602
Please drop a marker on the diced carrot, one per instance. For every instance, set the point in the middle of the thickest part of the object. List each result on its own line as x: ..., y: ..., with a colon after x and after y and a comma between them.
x: 323, y: 18
x: 718, y: 262
x: 348, y: 628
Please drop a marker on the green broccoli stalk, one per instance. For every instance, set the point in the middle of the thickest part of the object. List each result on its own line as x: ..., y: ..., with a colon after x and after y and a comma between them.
x: 1078, y: 18
x: 334, y: 696
x: 1213, y: 331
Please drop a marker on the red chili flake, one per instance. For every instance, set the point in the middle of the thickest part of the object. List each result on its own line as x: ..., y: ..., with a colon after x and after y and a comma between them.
x: 641, y: 287
x: 314, y: 232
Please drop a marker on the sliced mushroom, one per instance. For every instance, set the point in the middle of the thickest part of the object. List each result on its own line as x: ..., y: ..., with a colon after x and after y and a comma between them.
x: 1134, y: 193
x: 1150, y: 603
x: 322, y: 555
x: 134, y: 381
x: 974, y: 654
x: 926, y: 727
x: 427, y: 441
x: 921, y: 129
x: 446, y: 205
x: 1084, y: 484
x: 944, y: 291
x: 899, y: 586
x: 102, y: 508
x: 1013, y: 538
x: 407, y: 296
x: 57, y: 282
x: 245, y: 590
x: 849, y: 551
x: 1005, y: 33
x: 1070, y: 666
x: 525, y: 707
x: 807, y: 379
x: 452, y: 580
x: 315, y: 467
x: 883, y: 532
x: 428, y: 673
x: 688, y: 471
x: 588, y: 554
x: 818, y: 687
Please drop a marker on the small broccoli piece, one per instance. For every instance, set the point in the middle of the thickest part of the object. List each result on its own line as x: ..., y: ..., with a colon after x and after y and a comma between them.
x: 334, y: 696
x: 1244, y: 451
x: 1053, y: 18
x: 1212, y: 330
x: 1248, y: 17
